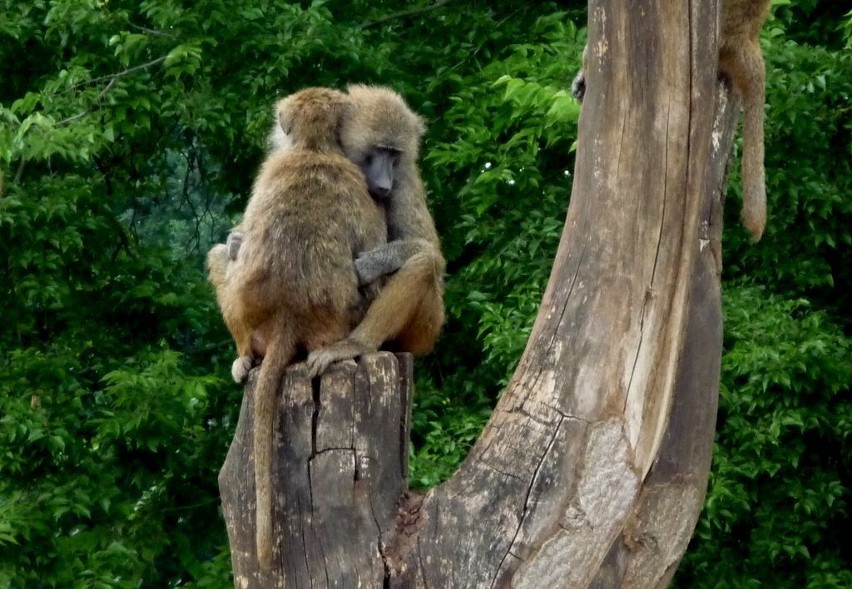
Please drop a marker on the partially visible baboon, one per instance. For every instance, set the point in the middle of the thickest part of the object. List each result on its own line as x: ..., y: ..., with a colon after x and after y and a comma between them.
x: 578, y: 86
x: 383, y: 138
x: 741, y: 61
x: 294, y: 285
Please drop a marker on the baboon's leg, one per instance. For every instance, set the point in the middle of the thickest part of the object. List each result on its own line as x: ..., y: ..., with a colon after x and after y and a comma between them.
x: 408, y: 307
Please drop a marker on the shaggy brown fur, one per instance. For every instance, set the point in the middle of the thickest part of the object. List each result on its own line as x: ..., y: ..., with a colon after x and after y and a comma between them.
x: 409, y: 310
x: 293, y: 285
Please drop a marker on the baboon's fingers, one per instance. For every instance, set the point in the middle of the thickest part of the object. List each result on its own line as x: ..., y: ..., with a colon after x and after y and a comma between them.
x: 235, y: 241
x: 368, y: 270
x: 578, y: 86
x: 319, y: 360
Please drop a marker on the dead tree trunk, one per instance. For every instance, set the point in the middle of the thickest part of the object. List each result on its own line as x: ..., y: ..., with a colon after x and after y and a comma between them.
x: 593, y: 467
x: 342, y: 463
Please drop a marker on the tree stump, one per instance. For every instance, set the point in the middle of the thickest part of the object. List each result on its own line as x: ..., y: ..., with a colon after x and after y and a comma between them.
x: 593, y: 468
x: 341, y: 470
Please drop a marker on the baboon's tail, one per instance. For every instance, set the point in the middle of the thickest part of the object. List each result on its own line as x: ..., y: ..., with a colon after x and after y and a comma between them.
x: 279, y: 354
x: 754, y: 181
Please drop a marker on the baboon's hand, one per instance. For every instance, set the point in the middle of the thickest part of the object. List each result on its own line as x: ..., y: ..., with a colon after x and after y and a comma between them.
x: 369, y: 267
x: 235, y: 240
x: 386, y: 259
x: 240, y: 369
x: 346, y: 349
x: 578, y: 86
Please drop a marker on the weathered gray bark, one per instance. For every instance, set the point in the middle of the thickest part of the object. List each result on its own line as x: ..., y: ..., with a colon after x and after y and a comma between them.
x: 342, y: 467
x: 593, y: 467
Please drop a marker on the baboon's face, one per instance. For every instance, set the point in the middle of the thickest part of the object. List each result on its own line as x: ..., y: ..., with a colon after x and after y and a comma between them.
x: 379, y: 167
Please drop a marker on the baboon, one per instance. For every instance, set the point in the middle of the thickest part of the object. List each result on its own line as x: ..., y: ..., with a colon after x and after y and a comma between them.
x: 578, y: 85
x: 382, y: 137
x: 294, y: 285
x: 741, y: 61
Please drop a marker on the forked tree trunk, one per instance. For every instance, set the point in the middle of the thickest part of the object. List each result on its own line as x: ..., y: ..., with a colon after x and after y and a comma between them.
x: 593, y: 468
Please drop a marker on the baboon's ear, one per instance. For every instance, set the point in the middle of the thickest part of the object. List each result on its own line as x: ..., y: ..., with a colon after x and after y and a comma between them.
x: 419, y: 126
x: 284, y: 115
x: 345, y: 111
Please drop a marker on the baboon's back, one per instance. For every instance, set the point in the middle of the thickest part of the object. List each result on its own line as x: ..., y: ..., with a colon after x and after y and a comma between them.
x: 305, y: 230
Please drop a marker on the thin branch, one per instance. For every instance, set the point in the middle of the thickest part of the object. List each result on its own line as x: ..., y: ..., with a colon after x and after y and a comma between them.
x: 106, y: 89
x: 151, y: 31
x: 117, y: 75
x: 72, y: 118
x: 405, y: 13
x: 80, y: 115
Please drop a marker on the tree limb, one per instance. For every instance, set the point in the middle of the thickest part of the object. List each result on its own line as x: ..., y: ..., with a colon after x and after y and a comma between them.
x: 115, y: 76
x: 151, y: 31
x: 406, y: 13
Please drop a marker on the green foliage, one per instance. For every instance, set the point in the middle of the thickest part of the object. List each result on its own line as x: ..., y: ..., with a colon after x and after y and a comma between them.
x: 778, y: 503
x: 444, y: 432
x: 100, y: 480
x: 129, y: 134
x: 509, y: 165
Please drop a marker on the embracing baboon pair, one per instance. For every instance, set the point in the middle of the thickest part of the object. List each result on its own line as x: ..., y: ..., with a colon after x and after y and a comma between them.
x: 336, y: 254
x: 741, y: 61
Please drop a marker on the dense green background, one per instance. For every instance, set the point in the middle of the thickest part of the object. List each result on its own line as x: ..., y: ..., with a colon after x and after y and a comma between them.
x: 129, y: 135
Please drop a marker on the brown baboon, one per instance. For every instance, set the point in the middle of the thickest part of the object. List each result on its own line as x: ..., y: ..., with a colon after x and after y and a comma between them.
x: 382, y: 137
x: 294, y: 284
x: 741, y: 60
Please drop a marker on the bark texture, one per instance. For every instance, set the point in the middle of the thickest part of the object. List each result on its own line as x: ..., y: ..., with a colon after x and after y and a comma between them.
x: 341, y: 470
x: 593, y: 468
